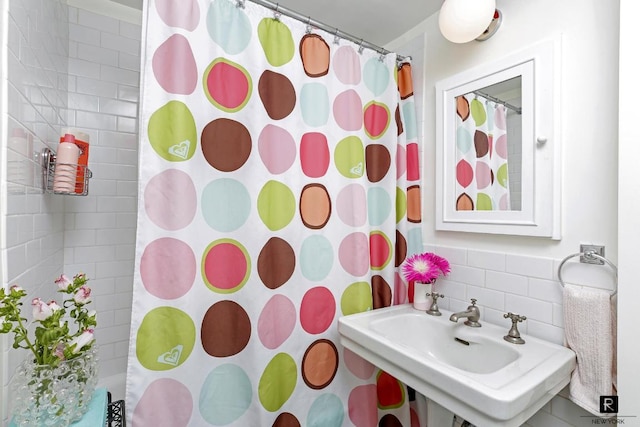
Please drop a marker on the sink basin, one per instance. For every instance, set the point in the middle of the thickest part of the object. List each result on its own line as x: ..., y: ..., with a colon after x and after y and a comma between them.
x: 472, y: 372
x: 448, y: 344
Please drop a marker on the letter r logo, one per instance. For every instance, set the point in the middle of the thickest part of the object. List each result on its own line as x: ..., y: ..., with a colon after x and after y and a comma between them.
x: 608, y: 404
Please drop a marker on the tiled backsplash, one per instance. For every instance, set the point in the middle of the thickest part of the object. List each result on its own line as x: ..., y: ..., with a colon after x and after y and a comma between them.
x: 526, y: 285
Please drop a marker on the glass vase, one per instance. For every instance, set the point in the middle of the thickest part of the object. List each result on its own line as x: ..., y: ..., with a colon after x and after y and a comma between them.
x: 54, y: 396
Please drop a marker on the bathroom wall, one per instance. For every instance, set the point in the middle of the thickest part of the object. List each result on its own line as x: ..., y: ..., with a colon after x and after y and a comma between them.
x: 588, y: 87
x: 519, y: 274
x: 32, y: 112
x: 628, y: 208
x: 100, y: 229
x: 66, y: 67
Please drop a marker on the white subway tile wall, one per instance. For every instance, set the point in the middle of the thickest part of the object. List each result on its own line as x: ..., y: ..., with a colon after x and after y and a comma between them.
x: 36, y: 49
x: 100, y: 229
x: 515, y: 285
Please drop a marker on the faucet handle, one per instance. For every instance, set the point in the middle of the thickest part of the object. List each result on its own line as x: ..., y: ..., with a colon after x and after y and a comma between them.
x: 473, y: 301
x: 514, y: 335
x: 434, y: 310
x: 435, y: 296
x: 515, y: 318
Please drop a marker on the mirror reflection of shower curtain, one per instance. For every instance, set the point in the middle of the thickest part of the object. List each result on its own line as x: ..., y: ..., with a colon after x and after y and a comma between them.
x: 279, y: 190
x: 482, y: 173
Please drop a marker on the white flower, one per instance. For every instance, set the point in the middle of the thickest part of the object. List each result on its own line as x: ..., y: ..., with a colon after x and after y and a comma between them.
x: 41, y: 311
x: 80, y: 341
x: 83, y: 295
x: 58, y: 334
x: 54, y: 306
x: 63, y: 282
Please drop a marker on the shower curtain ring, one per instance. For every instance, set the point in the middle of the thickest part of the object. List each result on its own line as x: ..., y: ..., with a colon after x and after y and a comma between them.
x: 308, y: 30
x: 360, y: 47
x: 336, y: 37
x: 276, y: 12
x: 240, y: 4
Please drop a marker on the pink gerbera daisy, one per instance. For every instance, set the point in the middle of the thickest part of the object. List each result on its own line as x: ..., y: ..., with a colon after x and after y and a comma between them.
x: 425, y: 267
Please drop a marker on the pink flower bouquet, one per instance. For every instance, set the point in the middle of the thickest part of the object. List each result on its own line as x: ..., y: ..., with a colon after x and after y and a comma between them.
x: 425, y: 268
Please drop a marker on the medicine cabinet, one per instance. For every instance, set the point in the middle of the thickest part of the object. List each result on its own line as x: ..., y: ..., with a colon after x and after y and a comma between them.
x: 498, y: 146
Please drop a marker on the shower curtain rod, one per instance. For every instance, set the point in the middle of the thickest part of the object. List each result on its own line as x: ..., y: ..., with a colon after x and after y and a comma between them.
x: 518, y: 110
x: 317, y: 24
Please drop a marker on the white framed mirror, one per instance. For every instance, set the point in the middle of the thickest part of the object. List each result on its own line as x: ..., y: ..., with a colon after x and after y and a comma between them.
x: 498, y: 146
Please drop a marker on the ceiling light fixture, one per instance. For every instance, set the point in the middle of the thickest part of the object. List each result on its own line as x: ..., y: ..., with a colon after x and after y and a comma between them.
x: 464, y: 20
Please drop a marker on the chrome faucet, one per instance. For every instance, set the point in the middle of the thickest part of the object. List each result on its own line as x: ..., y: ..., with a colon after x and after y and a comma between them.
x: 472, y: 314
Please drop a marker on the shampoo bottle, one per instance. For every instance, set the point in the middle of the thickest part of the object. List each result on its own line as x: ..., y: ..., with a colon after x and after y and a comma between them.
x: 19, y: 169
x: 64, y: 177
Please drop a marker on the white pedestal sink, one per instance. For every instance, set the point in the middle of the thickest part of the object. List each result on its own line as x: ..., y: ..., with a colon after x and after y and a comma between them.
x: 472, y: 372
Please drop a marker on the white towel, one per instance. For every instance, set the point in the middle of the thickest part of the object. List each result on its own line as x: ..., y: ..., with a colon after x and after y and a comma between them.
x: 590, y: 331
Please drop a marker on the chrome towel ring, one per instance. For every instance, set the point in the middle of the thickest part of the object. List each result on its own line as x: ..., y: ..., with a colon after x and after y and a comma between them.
x: 590, y: 255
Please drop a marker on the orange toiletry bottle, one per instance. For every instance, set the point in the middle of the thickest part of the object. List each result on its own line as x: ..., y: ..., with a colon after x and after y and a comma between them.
x: 82, y: 141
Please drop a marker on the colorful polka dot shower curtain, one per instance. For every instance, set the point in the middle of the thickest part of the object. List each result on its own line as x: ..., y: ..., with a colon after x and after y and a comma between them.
x: 482, y: 173
x: 279, y: 190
